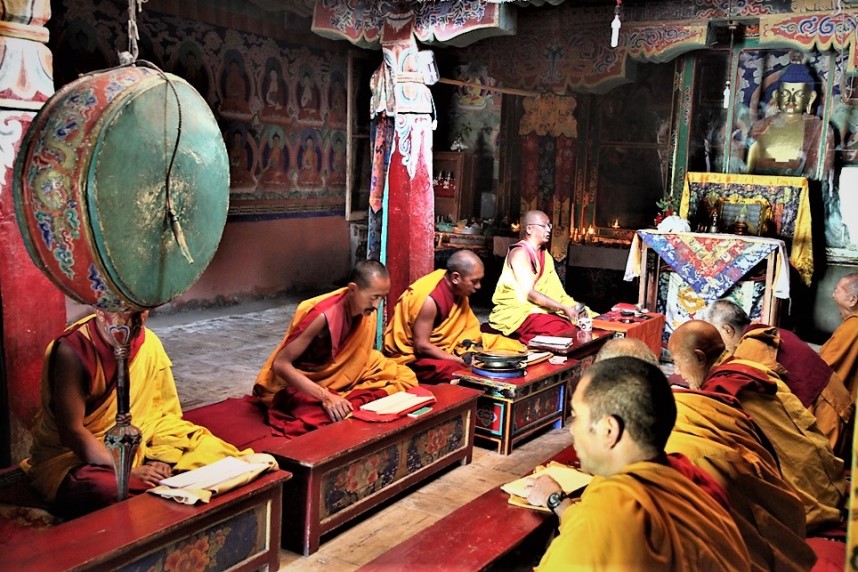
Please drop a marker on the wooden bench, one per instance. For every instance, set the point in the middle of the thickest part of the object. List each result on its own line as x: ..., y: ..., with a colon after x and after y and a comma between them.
x: 237, y: 530
x: 342, y: 470
x: 486, y: 533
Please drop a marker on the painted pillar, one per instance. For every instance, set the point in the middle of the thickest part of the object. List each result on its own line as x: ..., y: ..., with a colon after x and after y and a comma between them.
x: 32, y: 309
x: 410, y: 236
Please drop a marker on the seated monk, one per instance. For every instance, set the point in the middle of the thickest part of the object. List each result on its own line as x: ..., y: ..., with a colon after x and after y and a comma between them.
x: 813, y: 382
x: 69, y: 463
x: 644, y: 509
x: 714, y: 433
x: 326, y: 366
x: 841, y: 349
x: 806, y: 459
x: 529, y: 298
x: 433, y: 326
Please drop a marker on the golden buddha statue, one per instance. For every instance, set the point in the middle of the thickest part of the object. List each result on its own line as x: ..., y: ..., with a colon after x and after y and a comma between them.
x: 789, y: 142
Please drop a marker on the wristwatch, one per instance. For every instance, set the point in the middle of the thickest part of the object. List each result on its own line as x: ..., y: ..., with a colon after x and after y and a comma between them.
x: 554, y: 500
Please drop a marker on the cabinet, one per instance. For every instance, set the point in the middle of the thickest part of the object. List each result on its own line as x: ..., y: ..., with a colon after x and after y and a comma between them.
x: 453, y: 185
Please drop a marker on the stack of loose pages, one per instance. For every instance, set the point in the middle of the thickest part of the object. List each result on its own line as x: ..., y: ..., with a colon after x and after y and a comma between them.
x: 215, y: 478
x: 396, y: 403
x: 569, y: 478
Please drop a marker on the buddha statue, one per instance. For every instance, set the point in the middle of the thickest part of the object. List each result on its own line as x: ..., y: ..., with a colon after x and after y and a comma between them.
x: 789, y: 142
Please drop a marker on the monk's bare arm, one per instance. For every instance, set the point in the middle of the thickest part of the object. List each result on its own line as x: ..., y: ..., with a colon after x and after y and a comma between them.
x: 422, y: 331
x: 336, y: 406
x: 522, y: 270
x: 68, y: 382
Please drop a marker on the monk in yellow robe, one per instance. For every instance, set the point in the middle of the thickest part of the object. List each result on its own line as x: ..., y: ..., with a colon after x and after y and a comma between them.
x: 326, y: 366
x: 529, y: 299
x: 433, y: 326
x: 644, y: 509
x: 716, y: 436
x: 819, y: 388
x: 841, y: 349
x: 806, y: 459
x: 69, y: 463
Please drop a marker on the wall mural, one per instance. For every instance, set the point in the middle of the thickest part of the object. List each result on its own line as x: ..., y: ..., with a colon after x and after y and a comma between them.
x: 281, y: 106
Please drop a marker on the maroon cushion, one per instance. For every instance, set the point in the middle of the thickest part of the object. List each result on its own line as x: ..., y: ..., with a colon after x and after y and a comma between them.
x: 830, y: 554
x: 237, y: 420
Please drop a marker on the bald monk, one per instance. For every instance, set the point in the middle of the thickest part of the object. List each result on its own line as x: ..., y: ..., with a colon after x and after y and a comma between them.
x: 714, y: 433
x: 644, y: 510
x: 433, y: 326
x: 326, y: 366
x: 529, y: 298
x: 841, y: 349
x: 806, y: 459
x: 69, y: 464
x: 819, y: 388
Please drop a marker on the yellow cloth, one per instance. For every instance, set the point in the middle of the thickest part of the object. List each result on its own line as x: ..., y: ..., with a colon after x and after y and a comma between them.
x: 155, y: 410
x: 806, y: 458
x: 801, y: 253
x: 511, y: 306
x: 461, y: 324
x: 356, y: 366
x: 722, y: 441
x: 646, y: 517
x: 841, y: 353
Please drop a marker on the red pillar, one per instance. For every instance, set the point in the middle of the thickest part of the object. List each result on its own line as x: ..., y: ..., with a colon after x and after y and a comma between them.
x: 411, y: 204
x: 33, y: 309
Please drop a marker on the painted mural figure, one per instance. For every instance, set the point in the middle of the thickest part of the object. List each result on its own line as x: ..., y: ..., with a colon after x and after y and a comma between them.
x: 191, y: 68
x: 337, y: 173
x: 336, y: 103
x: 235, y: 92
x: 275, y: 164
x: 308, y: 99
x: 240, y: 163
x: 275, y: 98
x: 309, y: 172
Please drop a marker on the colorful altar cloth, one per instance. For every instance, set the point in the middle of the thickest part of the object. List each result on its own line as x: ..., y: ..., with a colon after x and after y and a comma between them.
x: 710, y: 263
x: 787, y: 197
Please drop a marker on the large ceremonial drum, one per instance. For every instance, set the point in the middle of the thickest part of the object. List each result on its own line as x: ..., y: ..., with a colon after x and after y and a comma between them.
x: 91, y: 188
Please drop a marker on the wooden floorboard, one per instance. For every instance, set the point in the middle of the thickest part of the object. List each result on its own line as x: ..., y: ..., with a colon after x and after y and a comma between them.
x: 413, y: 512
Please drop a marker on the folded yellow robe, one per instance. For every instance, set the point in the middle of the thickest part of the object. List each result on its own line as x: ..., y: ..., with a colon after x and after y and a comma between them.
x: 461, y: 324
x: 646, y: 517
x: 356, y: 366
x: 155, y: 410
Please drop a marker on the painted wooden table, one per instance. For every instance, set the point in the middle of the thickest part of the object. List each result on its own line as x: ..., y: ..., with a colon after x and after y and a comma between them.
x: 238, y: 530
x: 648, y: 327
x: 513, y: 409
x: 342, y: 470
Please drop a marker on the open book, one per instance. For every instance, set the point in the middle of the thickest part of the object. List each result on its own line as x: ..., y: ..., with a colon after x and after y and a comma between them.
x: 397, y: 403
x: 569, y: 478
x: 552, y: 341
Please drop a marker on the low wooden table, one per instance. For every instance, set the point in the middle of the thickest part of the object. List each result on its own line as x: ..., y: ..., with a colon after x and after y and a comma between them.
x: 238, y: 530
x: 487, y: 533
x: 648, y: 328
x: 344, y: 469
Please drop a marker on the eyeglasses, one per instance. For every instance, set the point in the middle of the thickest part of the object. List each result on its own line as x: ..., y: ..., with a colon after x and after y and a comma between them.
x: 549, y: 226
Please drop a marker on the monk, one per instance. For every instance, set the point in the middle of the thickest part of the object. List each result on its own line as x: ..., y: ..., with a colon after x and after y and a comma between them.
x: 819, y: 388
x: 69, y: 464
x: 529, y: 298
x: 326, y: 366
x: 714, y: 433
x: 644, y: 510
x: 841, y: 349
x: 433, y: 326
x: 806, y: 459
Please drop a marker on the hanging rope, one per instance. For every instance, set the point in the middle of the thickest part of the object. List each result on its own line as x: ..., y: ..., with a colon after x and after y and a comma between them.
x: 134, y: 7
